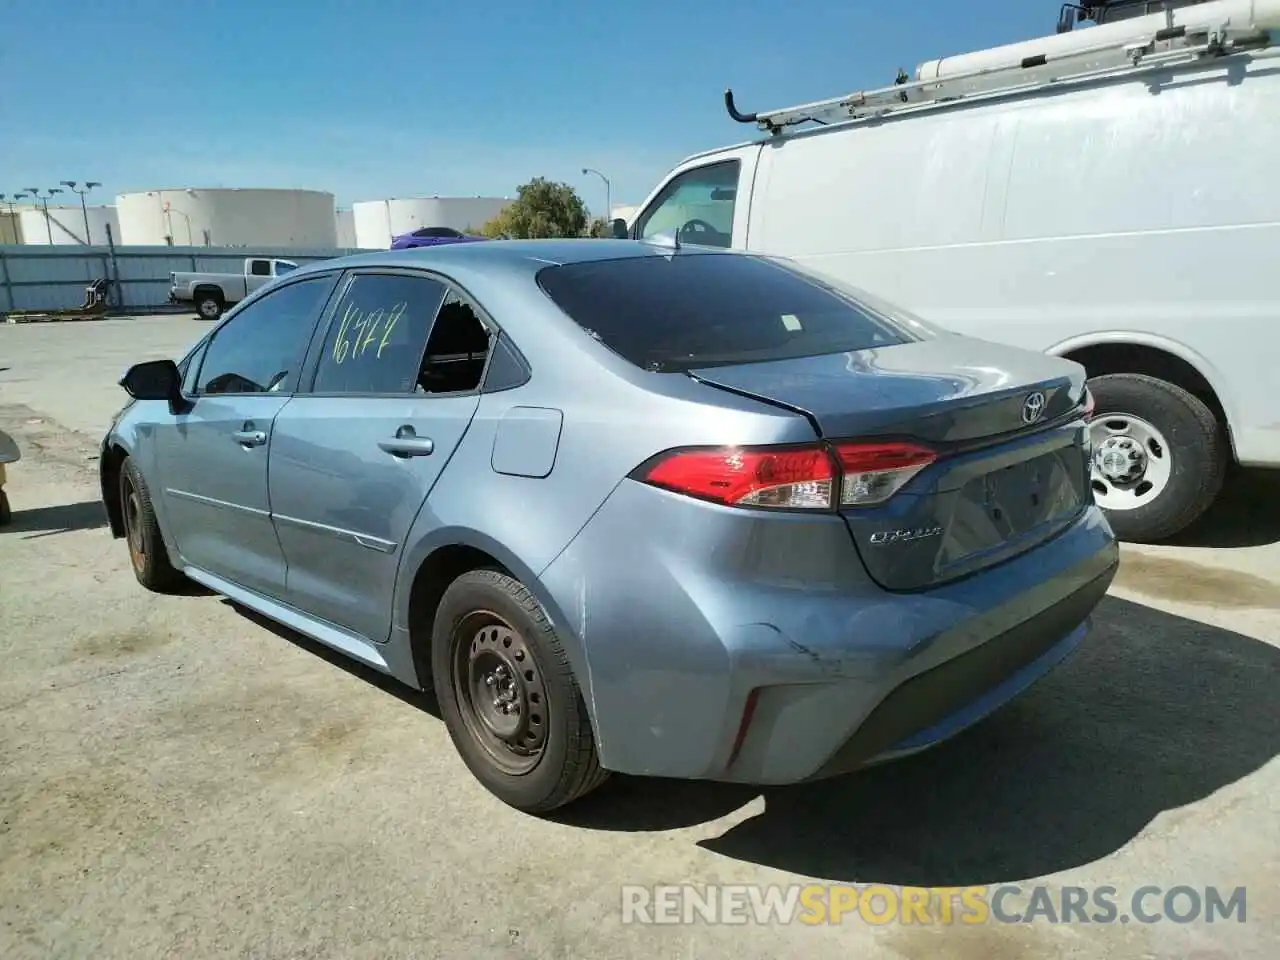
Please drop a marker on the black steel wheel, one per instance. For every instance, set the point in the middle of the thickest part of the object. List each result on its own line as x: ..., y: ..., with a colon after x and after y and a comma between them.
x: 508, y: 694
x: 500, y: 691
x: 148, y: 554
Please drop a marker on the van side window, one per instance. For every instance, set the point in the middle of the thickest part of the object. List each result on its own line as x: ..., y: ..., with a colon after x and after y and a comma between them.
x: 697, y: 206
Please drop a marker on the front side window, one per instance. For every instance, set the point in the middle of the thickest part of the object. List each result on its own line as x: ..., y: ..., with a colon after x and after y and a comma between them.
x: 697, y: 206
x: 398, y: 334
x: 283, y: 267
x: 692, y: 310
x: 261, y: 348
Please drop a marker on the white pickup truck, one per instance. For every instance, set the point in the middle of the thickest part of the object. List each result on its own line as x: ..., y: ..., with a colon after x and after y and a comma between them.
x: 212, y: 293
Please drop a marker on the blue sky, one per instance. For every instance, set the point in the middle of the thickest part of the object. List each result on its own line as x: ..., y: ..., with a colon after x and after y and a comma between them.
x: 419, y: 97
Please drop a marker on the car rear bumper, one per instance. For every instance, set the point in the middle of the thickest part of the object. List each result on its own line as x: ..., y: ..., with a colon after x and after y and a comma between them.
x: 758, y: 663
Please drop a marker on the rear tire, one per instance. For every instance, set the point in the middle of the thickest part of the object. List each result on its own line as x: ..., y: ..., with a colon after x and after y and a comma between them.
x: 210, y: 306
x: 6, y: 514
x: 508, y: 695
x: 1160, y: 456
x: 148, y: 555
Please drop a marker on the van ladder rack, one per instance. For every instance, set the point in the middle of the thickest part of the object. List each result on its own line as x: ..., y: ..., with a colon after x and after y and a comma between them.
x: 1144, y: 49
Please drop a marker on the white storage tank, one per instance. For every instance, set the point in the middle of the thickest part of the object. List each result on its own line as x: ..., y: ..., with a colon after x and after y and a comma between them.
x: 377, y: 221
x: 222, y: 217
x: 346, y: 229
x: 65, y: 225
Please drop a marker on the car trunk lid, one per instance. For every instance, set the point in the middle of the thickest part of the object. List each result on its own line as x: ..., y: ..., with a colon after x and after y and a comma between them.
x: 1011, y: 468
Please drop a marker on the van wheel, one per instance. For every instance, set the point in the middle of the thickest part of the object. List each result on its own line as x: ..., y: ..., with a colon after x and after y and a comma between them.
x: 147, y: 553
x: 1159, y: 456
x: 209, y: 306
x: 508, y: 696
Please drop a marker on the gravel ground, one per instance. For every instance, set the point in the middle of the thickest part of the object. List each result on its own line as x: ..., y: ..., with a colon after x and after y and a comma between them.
x: 178, y: 779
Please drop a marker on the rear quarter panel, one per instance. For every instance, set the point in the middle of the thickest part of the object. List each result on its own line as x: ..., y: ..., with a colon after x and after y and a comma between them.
x: 613, y: 418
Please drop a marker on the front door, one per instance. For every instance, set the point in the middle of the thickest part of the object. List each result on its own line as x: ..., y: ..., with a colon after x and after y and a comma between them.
x: 213, y: 458
x: 353, y: 460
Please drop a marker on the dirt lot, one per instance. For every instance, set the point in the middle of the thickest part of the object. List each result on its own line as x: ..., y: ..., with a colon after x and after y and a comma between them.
x: 179, y: 780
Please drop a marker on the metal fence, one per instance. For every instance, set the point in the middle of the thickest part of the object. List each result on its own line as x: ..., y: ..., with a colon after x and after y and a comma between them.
x: 55, y: 277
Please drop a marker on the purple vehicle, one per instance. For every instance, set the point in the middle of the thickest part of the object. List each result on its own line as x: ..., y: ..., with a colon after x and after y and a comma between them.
x: 431, y: 237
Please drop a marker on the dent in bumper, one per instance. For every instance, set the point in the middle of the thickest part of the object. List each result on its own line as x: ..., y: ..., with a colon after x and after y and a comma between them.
x: 676, y: 640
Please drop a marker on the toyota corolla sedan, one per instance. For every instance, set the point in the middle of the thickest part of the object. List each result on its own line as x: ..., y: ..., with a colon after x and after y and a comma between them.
x: 624, y: 506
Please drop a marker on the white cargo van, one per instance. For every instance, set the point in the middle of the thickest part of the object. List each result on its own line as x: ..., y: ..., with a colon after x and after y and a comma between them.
x: 1109, y: 194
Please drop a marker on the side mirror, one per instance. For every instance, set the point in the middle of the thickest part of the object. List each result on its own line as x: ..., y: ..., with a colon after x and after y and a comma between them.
x: 618, y: 228
x: 153, y: 380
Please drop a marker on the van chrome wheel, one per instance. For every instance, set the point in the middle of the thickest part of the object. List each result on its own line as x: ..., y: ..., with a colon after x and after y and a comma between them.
x: 501, y: 692
x: 1132, y: 462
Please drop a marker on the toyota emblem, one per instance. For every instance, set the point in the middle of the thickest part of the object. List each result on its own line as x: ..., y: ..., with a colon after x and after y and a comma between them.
x: 1032, y: 407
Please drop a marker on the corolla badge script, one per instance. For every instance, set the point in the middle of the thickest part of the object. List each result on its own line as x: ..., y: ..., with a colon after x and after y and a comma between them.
x: 904, y: 535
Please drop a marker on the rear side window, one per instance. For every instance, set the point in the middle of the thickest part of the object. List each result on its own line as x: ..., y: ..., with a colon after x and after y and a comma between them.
x: 690, y: 310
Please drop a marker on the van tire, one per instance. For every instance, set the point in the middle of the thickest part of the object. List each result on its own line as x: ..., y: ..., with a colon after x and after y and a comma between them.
x: 1197, y: 453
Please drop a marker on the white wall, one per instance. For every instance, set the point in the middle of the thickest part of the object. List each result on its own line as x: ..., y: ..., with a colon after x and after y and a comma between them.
x: 377, y: 221
x: 249, y: 217
x: 66, y: 224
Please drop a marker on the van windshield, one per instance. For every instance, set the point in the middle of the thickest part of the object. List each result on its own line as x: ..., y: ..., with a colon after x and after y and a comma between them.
x: 690, y: 310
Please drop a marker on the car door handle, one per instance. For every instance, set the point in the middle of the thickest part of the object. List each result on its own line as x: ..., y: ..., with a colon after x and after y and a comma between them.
x: 250, y: 438
x: 408, y: 446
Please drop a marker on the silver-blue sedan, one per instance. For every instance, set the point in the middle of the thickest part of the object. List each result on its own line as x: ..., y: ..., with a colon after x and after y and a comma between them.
x: 626, y: 506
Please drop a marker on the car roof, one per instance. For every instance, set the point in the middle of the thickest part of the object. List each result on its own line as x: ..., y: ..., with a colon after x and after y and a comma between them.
x: 505, y: 255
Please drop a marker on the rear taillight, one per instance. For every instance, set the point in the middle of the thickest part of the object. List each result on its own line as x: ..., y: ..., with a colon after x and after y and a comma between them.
x: 812, y: 477
x: 780, y: 477
x: 874, y: 472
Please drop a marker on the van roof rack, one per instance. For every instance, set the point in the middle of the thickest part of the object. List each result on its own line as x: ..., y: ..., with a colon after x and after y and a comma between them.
x: 1170, y: 38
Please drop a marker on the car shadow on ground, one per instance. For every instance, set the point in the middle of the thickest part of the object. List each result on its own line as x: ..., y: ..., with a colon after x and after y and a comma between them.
x: 1244, y: 515
x: 423, y: 700
x: 38, y: 522
x: 1153, y: 713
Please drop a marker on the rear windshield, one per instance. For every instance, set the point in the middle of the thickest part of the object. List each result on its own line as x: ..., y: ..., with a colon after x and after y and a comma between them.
x: 691, y: 310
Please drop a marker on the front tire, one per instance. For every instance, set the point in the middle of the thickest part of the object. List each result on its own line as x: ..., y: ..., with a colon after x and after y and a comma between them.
x: 148, y: 555
x: 1159, y: 456
x: 508, y: 695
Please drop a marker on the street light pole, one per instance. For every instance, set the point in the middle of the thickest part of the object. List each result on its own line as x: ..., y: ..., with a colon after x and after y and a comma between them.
x: 88, y: 185
x: 608, y: 192
x: 44, y: 206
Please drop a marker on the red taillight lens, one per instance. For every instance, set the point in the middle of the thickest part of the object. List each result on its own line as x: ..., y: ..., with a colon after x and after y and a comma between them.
x: 874, y: 472
x: 790, y: 478
x: 780, y: 477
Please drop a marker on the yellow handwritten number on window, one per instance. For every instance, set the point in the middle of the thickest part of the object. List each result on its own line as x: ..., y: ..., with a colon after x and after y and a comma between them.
x: 359, y: 331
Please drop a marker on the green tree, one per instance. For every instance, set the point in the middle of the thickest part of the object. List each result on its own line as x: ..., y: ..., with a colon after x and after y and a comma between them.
x: 542, y: 209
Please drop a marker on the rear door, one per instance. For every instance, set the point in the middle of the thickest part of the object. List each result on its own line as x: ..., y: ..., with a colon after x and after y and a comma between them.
x: 213, y: 458
x: 355, y: 456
